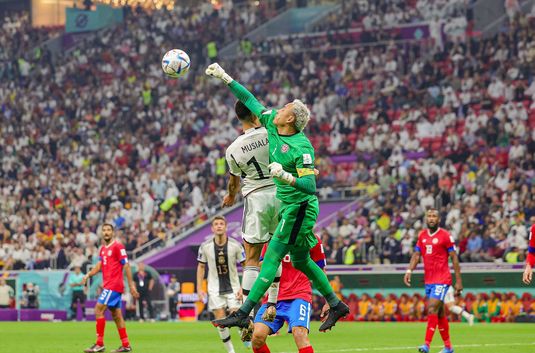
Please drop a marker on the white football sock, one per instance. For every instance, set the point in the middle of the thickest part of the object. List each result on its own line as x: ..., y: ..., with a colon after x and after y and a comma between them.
x: 250, y: 274
x: 224, y: 333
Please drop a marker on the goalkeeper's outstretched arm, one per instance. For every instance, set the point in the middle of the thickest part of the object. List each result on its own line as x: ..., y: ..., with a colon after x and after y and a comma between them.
x: 237, y: 89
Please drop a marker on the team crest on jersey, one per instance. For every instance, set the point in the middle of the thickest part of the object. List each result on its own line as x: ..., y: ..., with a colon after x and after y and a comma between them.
x: 109, y: 252
x: 285, y: 148
x: 435, y: 241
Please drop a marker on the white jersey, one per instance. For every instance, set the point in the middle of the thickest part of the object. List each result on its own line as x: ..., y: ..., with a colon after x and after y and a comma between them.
x: 222, y: 265
x: 248, y: 157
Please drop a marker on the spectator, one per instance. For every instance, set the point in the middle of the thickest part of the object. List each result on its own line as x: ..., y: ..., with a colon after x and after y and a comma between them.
x: 173, y: 289
x: 78, y: 292
x: 144, y: 284
x: 30, y: 296
x: 7, y: 294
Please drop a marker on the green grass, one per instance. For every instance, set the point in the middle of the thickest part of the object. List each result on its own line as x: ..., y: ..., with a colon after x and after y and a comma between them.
x: 202, y: 337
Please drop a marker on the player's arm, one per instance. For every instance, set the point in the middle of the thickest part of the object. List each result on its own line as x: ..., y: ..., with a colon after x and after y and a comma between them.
x: 306, y: 176
x: 415, y: 259
x: 457, y: 270
x: 233, y: 186
x: 237, y: 89
x: 201, y: 270
x: 128, y: 270
x: 530, y: 259
x: 93, y: 272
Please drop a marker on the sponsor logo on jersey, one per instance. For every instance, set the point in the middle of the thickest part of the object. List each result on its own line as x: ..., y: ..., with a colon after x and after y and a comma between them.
x: 285, y: 148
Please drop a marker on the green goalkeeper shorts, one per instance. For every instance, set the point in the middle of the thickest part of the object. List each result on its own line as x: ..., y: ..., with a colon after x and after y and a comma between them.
x: 297, y: 222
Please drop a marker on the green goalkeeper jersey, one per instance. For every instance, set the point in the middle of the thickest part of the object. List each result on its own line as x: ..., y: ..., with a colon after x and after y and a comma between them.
x: 294, y: 152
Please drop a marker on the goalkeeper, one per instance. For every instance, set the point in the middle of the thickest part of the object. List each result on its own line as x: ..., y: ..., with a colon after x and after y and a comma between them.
x: 292, y: 168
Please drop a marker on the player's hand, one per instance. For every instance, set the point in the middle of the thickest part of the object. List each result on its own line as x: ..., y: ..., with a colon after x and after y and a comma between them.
x: 458, y: 287
x: 527, y: 275
x: 84, y: 280
x: 134, y: 291
x: 239, y: 295
x: 276, y: 171
x: 228, y: 200
x: 407, y: 279
x: 217, y: 71
x: 324, y: 312
x: 316, y: 172
x: 202, y: 296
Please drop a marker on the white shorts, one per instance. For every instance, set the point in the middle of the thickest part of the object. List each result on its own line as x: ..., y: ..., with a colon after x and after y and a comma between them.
x: 260, y: 215
x: 450, y: 296
x: 225, y: 301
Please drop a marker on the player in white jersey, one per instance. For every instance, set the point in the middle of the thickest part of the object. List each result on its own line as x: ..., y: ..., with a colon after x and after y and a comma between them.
x: 449, y: 300
x: 221, y: 254
x: 248, y: 159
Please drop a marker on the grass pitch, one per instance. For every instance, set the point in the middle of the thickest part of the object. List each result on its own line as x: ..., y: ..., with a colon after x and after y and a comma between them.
x: 68, y: 337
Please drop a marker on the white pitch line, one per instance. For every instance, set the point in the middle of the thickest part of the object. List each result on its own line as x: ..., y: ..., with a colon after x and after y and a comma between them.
x: 385, y: 349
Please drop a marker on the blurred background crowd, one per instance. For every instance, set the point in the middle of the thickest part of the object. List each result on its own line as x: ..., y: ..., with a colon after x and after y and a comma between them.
x: 100, y: 134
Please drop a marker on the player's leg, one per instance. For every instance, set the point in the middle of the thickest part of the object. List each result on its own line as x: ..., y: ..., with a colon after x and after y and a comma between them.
x: 252, y: 266
x: 301, y: 340
x: 117, y: 315
x: 264, y: 328
x: 444, y: 329
x: 449, y: 301
x: 435, y: 293
x: 100, y: 308
x: 261, y: 331
x: 301, y: 260
x: 224, y: 333
x: 260, y: 222
x: 298, y: 318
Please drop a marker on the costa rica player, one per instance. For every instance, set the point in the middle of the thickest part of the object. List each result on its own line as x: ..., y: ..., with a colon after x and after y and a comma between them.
x: 293, y: 305
x: 435, y: 246
x: 112, y: 261
x: 530, y: 260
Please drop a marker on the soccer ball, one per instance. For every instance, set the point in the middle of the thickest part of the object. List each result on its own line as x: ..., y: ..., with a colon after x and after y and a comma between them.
x: 175, y: 63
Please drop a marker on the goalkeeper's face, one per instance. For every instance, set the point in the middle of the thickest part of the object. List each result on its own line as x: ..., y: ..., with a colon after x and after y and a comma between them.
x: 285, y: 115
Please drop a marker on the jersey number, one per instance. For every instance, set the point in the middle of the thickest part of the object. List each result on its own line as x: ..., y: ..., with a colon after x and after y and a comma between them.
x: 104, y: 261
x: 222, y: 269
x: 254, y: 162
x: 429, y: 249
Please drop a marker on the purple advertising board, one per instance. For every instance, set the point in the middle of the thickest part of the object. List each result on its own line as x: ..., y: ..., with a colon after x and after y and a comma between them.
x: 182, y: 255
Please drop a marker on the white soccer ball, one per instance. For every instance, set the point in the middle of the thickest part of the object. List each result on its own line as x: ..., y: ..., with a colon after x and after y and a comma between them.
x: 175, y: 63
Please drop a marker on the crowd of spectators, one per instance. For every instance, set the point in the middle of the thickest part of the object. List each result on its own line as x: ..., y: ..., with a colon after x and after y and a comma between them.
x: 367, y: 15
x: 492, y: 307
x: 101, y: 134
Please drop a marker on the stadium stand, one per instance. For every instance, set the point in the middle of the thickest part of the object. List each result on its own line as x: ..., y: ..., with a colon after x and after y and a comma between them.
x: 406, y: 122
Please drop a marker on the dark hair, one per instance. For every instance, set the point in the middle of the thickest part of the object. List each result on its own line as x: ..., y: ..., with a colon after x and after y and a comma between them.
x: 109, y: 225
x: 243, y: 113
x: 219, y: 217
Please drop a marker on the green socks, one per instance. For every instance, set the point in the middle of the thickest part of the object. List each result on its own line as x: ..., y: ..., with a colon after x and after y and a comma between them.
x: 301, y: 260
